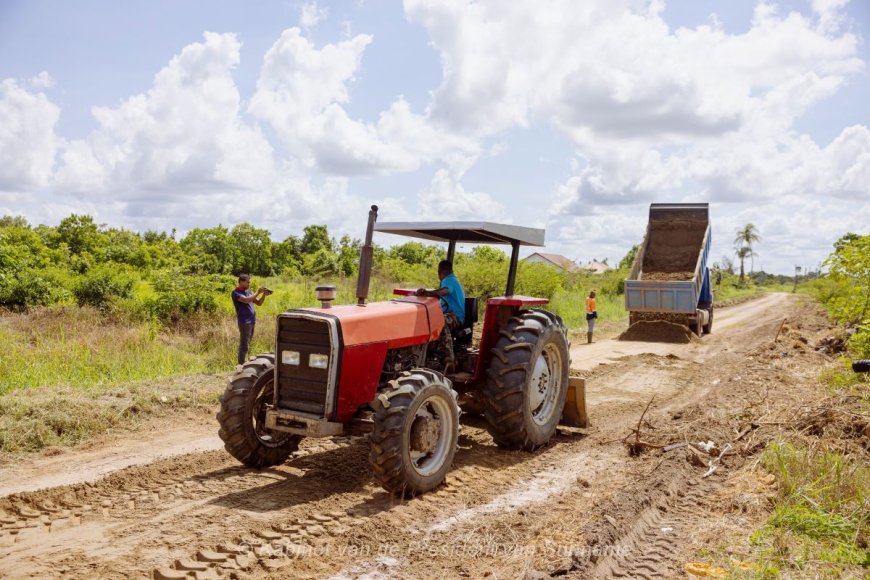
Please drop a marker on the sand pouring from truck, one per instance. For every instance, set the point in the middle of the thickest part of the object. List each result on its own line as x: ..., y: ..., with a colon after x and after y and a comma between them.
x: 669, y: 279
x: 375, y: 367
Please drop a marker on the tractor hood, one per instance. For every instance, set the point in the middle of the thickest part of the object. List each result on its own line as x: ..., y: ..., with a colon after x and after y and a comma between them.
x: 402, y: 322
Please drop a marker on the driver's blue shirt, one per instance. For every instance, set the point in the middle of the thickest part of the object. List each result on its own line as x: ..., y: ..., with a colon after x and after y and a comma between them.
x: 454, y: 301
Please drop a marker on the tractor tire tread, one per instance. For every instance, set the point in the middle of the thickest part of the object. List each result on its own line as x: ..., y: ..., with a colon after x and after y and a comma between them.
x: 509, y: 372
x: 236, y: 428
x: 385, y: 440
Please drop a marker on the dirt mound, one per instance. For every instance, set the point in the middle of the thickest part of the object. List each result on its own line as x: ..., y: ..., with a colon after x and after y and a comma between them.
x: 658, y: 331
x: 667, y: 276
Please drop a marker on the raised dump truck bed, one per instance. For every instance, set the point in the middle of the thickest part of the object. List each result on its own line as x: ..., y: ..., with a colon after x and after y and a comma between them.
x: 669, y: 279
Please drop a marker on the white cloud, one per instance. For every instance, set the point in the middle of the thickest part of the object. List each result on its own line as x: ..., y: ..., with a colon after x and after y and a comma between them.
x: 652, y: 111
x: 446, y: 199
x: 310, y: 15
x: 27, y: 137
x: 181, y: 140
x: 301, y: 92
x: 42, y: 81
x: 660, y: 114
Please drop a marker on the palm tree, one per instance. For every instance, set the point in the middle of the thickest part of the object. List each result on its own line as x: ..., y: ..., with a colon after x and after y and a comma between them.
x: 746, y: 236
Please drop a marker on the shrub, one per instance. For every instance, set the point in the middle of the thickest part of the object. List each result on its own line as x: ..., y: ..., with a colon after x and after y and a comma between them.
x: 180, y: 295
x: 538, y: 280
x: 102, y: 285
x: 31, y: 288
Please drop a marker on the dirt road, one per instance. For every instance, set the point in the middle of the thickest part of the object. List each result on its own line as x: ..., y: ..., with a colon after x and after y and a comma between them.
x: 501, y: 514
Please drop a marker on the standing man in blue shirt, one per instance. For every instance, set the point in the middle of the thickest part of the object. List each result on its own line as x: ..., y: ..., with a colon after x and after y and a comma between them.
x: 244, y: 300
x: 452, y: 298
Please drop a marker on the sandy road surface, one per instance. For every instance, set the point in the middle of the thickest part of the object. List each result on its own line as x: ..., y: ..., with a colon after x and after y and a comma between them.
x: 501, y: 514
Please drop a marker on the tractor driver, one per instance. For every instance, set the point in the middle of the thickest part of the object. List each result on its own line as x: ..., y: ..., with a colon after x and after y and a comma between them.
x: 452, y: 298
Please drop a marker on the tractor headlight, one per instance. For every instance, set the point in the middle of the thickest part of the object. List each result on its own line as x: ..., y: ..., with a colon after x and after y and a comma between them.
x: 318, y: 361
x: 290, y: 357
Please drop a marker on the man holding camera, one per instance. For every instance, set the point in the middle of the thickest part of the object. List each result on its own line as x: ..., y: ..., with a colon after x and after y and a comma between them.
x: 244, y: 300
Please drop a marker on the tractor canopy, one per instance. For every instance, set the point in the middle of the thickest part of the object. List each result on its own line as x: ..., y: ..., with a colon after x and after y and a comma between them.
x: 470, y: 232
x: 465, y: 232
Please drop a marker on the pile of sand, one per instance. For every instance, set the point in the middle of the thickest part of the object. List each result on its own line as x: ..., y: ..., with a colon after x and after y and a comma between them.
x: 658, y: 331
x: 673, y: 246
x: 667, y: 276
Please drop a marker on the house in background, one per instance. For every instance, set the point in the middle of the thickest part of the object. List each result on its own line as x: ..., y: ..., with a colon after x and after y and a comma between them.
x: 596, y: 267
x: 561, y: 263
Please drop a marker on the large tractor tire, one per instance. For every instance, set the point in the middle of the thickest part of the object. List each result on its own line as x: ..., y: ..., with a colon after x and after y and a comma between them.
x: 242, y: 416
x: 416, y: 429
x: 527, y: 380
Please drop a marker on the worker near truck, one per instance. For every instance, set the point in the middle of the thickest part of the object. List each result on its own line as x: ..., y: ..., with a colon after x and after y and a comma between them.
x: 452, y: 298
x: 244, y: 300
x: 591, y: 316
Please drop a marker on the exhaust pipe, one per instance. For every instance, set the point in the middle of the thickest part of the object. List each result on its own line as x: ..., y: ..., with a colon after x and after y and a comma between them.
x: 861, y: 366
x: 366, y: 256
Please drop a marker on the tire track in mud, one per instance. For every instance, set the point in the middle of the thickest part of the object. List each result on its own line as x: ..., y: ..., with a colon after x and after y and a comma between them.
x: 136, y: 493
x: 273, y: 521
x: 640, y: 532
x: 289, y: 539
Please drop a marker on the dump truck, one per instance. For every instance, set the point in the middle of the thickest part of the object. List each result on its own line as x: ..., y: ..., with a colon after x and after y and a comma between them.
x: 380, y: 368
x: 669, y: 279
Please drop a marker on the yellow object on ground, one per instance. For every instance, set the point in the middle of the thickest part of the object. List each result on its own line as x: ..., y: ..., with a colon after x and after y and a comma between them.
x: 705, y: 570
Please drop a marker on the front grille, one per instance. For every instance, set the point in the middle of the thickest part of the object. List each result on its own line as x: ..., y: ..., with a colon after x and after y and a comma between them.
x: 302, y: 388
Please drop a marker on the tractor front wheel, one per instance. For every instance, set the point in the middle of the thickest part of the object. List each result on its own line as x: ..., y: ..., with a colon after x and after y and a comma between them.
x: 416, y: 429
x: 527, y: 380
x: 242, y: 416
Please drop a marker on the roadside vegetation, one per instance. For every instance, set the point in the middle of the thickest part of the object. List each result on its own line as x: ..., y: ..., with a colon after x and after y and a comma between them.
x: 93, y: 313
x: 819, y: 525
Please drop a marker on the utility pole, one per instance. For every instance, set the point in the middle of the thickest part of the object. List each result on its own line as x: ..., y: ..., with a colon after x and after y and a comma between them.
x: 797, y: 270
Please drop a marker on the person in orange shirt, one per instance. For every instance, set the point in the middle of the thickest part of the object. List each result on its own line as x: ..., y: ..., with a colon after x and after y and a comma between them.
x: 591, y: 316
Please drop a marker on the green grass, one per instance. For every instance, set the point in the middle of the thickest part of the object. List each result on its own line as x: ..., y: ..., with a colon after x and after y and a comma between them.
x: 32, y: 419
x: 819, y: 524
x: 77, y: 347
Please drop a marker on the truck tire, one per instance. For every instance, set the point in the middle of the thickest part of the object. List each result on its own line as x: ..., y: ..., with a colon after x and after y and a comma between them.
x: 416, y: 430
x: 242, y: 416
x: 708, y: 328
x: 527, y: 380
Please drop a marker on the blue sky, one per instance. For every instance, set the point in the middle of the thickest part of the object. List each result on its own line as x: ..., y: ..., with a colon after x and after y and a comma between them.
x: 564, y: 115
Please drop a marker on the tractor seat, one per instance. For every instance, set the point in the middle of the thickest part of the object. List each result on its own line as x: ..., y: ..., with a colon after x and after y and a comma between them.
x: 462, y: 337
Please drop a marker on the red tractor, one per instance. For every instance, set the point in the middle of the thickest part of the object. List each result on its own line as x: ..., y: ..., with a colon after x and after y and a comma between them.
x: 376, y: 368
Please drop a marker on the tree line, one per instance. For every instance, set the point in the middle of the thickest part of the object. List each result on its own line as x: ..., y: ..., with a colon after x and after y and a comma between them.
x: 91, y: 264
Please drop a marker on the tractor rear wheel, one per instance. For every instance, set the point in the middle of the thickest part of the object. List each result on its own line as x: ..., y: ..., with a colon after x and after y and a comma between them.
x: 416, y: 429
x: 242, y: 416
x: 527, y: 380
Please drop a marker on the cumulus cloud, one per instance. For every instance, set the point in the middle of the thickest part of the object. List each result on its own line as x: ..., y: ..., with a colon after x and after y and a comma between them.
x: 650, y: 109
x: 446, y: 199
x: 42, y: 81
x: 310, y: 15
x: 301, y: 92
x: 182, y: 139
x: 28, y: 142
x: 657, y: 113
